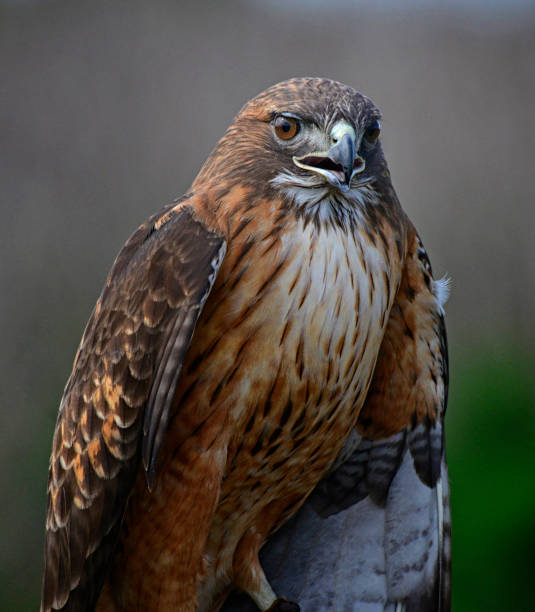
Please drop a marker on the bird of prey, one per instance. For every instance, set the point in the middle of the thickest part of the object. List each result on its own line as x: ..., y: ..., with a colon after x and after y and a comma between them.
x: 272, y: 341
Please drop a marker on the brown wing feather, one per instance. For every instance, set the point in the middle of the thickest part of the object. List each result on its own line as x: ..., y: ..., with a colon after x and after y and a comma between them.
x: 410, y: 383
x: 118, y: 396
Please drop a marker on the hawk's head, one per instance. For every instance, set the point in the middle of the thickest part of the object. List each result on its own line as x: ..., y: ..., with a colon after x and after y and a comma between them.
x: 314, y: 140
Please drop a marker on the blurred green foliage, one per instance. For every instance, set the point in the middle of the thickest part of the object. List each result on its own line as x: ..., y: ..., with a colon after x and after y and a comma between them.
x: 491, y: 456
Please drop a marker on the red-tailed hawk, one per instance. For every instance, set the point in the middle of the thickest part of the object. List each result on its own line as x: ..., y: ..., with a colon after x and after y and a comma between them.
x: 274, y: 336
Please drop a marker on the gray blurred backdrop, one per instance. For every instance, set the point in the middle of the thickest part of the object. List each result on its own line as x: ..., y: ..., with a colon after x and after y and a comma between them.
x: 107, y: 111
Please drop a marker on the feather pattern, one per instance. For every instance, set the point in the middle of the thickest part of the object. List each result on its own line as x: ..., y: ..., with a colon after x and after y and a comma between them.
x: 375, y: 533
x: 156, y: 289
x: 367, y: 557
x: 268, y: 332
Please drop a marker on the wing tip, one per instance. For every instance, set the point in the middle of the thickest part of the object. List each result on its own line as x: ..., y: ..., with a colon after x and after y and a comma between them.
x: 426, y: 445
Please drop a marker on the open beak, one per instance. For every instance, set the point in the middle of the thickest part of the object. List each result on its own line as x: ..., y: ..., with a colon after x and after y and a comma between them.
x: 338, y: 165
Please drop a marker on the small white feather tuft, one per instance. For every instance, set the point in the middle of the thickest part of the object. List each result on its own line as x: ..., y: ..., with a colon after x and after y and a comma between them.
x: 441, y: 290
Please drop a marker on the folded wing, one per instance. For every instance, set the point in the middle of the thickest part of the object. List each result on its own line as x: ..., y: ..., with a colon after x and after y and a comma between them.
x: 117, y: 401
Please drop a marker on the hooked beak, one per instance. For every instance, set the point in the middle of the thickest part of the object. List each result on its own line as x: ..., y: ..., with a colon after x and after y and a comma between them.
x: 338, y: 165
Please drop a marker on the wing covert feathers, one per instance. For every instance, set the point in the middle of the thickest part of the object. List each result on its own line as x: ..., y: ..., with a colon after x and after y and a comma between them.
x: 410, y: 383
x: 118, y: 397
x: 190, y: 271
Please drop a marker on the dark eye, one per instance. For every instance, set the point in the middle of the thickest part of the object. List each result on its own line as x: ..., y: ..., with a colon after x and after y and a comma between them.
x: 372, y: 132
x: 286, y: 127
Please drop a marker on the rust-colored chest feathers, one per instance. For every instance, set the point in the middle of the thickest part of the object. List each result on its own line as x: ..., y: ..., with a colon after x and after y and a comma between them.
x: 292, y: 352
x: 288, y: 360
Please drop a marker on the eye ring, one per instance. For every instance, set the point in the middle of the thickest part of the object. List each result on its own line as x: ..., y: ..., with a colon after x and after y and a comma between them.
x: 286, y: 127
x: 371, y: 133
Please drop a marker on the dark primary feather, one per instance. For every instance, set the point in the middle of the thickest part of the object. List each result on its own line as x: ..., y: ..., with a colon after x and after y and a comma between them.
x: 119, y: 392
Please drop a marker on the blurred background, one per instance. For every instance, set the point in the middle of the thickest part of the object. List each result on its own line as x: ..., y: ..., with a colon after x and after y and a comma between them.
x: 107, y: 111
